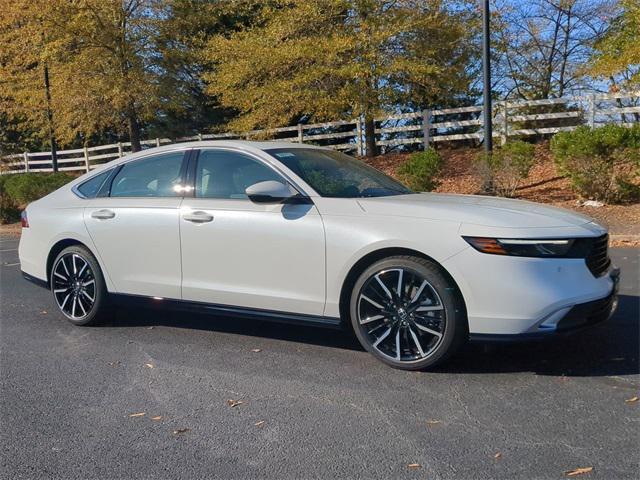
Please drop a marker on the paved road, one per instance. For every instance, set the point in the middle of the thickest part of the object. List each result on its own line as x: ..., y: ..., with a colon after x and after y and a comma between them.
x: 329, y: 409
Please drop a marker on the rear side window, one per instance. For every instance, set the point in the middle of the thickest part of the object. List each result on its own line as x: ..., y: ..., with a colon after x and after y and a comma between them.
x: 156, y: 176
x: 91, y: 187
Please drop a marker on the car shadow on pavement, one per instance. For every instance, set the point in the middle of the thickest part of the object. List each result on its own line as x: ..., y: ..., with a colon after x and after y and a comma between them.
x: 146, y: 317
x: 611, y: 348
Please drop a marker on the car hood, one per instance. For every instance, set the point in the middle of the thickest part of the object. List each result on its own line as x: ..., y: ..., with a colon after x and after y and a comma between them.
x: 474, y: 210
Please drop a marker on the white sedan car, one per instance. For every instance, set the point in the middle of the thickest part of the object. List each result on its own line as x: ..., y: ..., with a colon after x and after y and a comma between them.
x: 309, y: 235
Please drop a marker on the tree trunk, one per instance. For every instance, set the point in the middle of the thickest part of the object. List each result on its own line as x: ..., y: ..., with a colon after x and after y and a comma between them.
x: 52, y: 134
x: 370, y: 137
x: 134, y: 130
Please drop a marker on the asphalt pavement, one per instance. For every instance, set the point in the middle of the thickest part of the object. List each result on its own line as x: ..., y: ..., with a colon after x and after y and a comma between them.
x: 156, y: 395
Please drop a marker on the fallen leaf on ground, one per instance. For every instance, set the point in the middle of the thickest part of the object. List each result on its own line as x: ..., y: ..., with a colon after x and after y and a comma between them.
x: 631, y: 400
x: 159, y: 417
x: 114, y: 364
x: 141, y: 414
x: 43, y: 312
x: 433, y: 422
x: 578, y: 471
x: 414, y: 465
x: 181, y: 430
x: 259, y: 424
x: 256, y: 350
x: 497, y: 455
x: 234, y: 403
x: 148, y: 365
x: 149, y: 328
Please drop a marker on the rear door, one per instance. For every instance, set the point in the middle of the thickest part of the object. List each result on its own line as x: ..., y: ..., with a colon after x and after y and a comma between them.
x: 135, y: 228
x: 240, y: 253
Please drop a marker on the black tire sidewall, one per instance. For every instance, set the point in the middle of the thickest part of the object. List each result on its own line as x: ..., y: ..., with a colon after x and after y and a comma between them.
x: 455, y: 327
x: 100, y: 291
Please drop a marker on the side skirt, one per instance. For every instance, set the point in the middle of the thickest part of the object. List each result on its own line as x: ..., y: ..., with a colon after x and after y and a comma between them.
x: 226, y: 310
x: 35, y: 280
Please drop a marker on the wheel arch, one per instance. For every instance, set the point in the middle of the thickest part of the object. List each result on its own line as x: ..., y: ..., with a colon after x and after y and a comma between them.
x: 370, y: 258
x: 59, y: 246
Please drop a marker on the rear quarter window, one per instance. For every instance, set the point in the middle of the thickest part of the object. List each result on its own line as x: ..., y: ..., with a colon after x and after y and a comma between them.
x: 91, y: 187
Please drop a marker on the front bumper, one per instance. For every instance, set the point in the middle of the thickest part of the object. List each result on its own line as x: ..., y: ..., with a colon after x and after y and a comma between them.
x: 508, y: 295
x: 576, y: 318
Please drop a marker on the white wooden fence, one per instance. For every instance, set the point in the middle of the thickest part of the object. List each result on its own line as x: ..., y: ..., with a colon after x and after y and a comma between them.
x: 451, y: 125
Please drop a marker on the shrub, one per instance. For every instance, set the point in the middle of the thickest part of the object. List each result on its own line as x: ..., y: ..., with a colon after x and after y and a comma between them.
x: 505, y: 168
x: 601, y: 163
x: 17, y: 190
x: 420, y: 171
x: 8, y: 211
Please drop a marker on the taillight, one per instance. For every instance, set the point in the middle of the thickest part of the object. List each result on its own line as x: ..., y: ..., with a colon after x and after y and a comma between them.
x: 24, y: 220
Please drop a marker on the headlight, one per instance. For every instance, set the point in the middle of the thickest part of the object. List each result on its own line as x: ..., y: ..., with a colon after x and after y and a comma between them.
x: 522, y: 247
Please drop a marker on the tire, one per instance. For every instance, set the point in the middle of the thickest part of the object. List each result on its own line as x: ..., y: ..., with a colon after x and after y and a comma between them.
x: 427, y: 320
x: 78, y: 286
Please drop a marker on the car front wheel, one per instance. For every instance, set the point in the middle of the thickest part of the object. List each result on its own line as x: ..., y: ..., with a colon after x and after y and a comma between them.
x: 78, y: 286
x: 407, y: 313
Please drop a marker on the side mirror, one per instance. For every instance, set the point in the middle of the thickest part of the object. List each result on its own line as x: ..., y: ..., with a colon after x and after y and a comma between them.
x: 269, y: 192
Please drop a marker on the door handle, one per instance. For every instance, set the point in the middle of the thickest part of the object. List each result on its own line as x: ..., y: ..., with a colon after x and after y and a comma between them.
x: 198, y: 217
x: 103, y: 214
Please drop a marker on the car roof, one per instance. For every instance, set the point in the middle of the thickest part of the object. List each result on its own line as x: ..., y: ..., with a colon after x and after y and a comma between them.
x: 245, y: 145
x: 240, y: 144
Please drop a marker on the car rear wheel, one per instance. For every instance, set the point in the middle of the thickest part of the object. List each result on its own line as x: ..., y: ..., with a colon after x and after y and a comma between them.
x: 78, y: 286
x: 407, y: 313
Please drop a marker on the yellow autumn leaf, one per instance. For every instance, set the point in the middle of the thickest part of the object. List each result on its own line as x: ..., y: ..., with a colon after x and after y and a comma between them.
x: 578, y: 471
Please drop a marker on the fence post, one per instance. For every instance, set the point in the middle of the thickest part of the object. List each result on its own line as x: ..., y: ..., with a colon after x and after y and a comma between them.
x: 300, y: 133
x: 505, y: 123
x: 86, y: 158
x: 592, y: 110
x: 26, y: 162
x: 119, y: 149
x: 359, y: 149
x: 157, y: 142
x: 426, y: 128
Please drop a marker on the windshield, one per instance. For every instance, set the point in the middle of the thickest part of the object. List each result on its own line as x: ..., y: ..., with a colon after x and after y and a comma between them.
x: 334, y: 174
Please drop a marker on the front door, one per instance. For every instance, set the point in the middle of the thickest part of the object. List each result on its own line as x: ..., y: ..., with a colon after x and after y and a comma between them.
x: 239, y: 253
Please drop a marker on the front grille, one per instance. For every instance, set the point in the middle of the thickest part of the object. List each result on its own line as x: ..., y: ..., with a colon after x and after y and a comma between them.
x: 598, y: 257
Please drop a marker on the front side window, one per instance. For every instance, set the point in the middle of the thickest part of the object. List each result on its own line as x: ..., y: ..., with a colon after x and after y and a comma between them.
x: 91, y: 187
x: 155, y: 176
x: 334, y: 174
x: 227, y: 174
